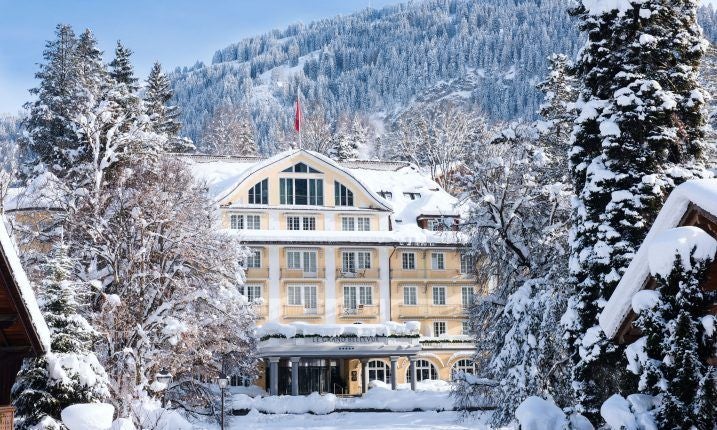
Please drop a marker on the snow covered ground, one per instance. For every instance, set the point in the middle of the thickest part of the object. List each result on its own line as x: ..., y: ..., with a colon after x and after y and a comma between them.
x: 359, y: 421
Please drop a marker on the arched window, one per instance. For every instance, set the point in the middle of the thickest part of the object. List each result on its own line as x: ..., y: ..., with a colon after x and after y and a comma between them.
x: 300, y: 168
x: 379, y: 371
x: 259, y: 193
x: 463, y: 365
x: 424, y: 370
x: 342, y: 195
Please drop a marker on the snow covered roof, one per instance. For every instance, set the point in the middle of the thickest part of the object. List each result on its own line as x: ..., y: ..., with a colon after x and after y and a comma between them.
x: 18, y: 284
x: 407, y: 236
x: 412, y: 193
x: 700, y: 192
x: 42, y: 192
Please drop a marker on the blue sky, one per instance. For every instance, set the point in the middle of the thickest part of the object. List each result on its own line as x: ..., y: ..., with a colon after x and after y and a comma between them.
x: 175, y: 33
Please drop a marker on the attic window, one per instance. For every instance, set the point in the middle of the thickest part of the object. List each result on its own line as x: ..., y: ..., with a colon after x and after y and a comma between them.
x: 412, y: 196
x: 300, y: 168
x: 386, y: 194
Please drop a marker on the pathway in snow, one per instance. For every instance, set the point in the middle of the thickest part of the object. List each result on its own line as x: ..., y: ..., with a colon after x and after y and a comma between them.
x: 358, y: 421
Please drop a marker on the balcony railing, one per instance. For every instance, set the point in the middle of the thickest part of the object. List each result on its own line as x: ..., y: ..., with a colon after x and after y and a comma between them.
x: 358, y: 311
x: 257, y: 273
x: 303, y: 312
x: 450, y: 310
x: 372, y: 273
x: 302, y: 274
x: 428, y: 274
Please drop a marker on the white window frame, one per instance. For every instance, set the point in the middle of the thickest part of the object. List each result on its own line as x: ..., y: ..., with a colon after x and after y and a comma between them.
x: 374, y: 367
x: 438, y: 261
x: 253, y: 222
x: 355, y: 223
x: 301, y: 222
x: 253, y: 260
x: 252, y: 292
x: 439, y: 328
x: 464, y: 365
x: 423, y: 365
x: 410, y: 292
x: 356, y: 295
x: 405, y: 259
x: 308, y: 296
x: 244, y: 222
x: 467, y: 264
x: 348, y: 223
x: 467, y: 296
x: 465, y: 328
x: 363, y: 223
x: 361, y: 260
x: 439, y: 292
x: 303, y: 259
x: 236, y: 221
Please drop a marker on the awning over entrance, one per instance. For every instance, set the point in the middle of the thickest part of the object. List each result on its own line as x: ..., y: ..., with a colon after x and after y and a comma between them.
x: 339, y: 347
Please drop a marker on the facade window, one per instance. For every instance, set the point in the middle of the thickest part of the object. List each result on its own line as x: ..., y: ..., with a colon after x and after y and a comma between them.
x: 299, y: 191
x: 342, y: 195
x: 439, y: 328
x: 363, y: 223
x: 241, y: 222
x: 439, y: 295
x: 259, y: 193
x: 236, y: 222
x: 466, y: 328
x: 252, y: 292
x: 300, y: 168
x: 467, y: 297
x: 409, y: 260
x: 355, y: 295
x: 435, y: 224
x: 302, y: 260
x: 378, y: 371
x: 410, y: 296
x: 438, y: 261
x: 353, y: 261
x: 303, y: 295
x: 348, y: 224
x: 467, y: 264
x: 253, y: 260
x: 463, y: 366
x: 425, y: 370
x: 300, y: 223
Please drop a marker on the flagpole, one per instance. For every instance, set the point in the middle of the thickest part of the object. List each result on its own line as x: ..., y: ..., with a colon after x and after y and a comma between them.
x: 301, y: 116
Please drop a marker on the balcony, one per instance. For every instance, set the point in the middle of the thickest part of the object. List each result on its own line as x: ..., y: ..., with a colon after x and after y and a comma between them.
x: 257, y: 273
x: 358, y: 312
x: 373, y: 273
x: 449, y: 310
x: 302, y: 274
x: 428, y: 274
x: 302, y: 312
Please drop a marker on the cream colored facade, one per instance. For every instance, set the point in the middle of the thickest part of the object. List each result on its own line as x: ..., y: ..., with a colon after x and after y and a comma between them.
x: 347, y: 244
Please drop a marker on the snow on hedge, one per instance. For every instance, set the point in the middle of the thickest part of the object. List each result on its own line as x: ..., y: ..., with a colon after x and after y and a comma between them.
x: 679, y: 242
x: 632, y: 413
x: 275, y: 329
x: 88, y: 416
x: 375, y: 398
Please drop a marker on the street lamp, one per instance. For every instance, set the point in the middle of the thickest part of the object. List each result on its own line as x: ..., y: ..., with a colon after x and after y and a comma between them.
x: 222, y: 381
x: 164, y: 378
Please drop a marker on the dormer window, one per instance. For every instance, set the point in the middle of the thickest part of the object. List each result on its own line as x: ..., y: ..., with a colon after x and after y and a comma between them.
x: 386, y: 194
x: 412, y: 196
x: 300, y: 168
x: 342, y: 195
x: 259, y: 193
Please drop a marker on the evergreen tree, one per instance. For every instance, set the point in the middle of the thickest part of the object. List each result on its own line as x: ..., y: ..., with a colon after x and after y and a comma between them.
x: 52, y: 143
x: 638, y: 132
x: 70, y: 373
x: 345, y: 146
x: 230, y: 132
x: 92, y: 70
x: 163, y: 117
x: 121, y: 69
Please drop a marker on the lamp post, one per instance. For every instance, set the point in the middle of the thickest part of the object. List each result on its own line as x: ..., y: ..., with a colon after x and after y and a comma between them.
x: 164, y: 378
x: 222, y: 381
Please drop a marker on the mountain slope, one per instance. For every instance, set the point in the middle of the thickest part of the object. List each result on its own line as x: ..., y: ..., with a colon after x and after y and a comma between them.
x: 379, y: 60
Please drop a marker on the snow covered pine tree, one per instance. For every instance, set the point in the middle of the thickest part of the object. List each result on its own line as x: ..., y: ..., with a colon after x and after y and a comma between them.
x: 638, y: 133
x: 678, y: 339
x: 70, y: 373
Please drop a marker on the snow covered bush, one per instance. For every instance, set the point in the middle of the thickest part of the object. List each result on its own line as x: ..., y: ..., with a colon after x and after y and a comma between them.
x: 677, y: 338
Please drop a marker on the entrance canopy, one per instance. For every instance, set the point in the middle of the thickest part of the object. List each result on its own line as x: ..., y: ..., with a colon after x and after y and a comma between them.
x: 339, y: 347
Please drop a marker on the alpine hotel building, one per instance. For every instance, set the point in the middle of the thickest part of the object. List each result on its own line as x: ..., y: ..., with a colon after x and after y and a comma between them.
x: 356, y: 270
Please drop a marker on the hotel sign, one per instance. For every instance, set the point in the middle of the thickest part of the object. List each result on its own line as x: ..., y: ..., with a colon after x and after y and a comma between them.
x: 339, y: 339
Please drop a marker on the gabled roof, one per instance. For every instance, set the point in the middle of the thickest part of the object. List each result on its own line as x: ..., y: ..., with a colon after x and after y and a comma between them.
x: 24, y: 324
x: 701, y: 193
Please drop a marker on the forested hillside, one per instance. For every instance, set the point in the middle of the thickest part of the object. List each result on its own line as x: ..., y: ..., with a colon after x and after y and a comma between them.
x: 379, y: 60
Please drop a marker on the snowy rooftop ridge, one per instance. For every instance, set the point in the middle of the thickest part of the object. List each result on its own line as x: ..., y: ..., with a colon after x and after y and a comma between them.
x: 26, y: 293
x: 701, y: 192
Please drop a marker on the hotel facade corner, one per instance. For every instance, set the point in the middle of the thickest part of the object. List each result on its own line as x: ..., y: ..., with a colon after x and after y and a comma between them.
x: 356, y: 270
